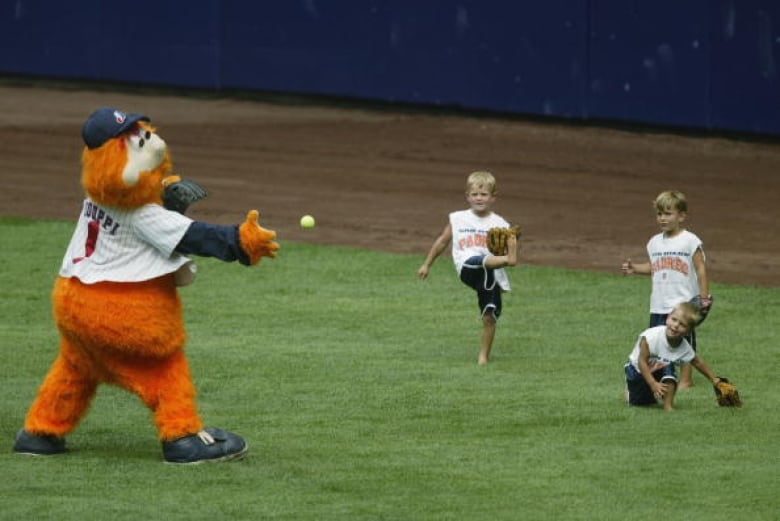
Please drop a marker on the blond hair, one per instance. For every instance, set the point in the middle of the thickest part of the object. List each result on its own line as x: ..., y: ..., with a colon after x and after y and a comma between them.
x: 690, y: 313
x: 481, y: 179
x: 671, y: 199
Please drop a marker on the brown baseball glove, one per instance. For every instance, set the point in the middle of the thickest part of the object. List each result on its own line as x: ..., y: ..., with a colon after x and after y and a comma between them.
x: 726, y: 394
x: 497, y: 237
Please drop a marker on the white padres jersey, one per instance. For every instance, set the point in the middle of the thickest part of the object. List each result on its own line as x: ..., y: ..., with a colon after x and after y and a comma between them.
x: 661, y: 353
x: 115, y: 245
x: 469, y: 238
x: 673, y: 273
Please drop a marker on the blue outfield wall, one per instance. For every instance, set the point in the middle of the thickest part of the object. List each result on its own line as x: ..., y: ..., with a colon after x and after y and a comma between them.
x: 702, y: 64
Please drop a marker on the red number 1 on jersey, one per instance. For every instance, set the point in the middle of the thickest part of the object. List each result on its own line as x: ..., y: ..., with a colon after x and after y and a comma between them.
x: 93, y: 228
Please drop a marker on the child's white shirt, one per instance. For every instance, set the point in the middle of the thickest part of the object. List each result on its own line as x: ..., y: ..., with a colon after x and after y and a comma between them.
x: 672, y: 270
x: 469, y: 238
x: 661, y: 352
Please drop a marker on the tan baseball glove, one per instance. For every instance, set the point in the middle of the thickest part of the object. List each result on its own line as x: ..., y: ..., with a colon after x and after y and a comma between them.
x: 726, y: 394
x: 497, y: 237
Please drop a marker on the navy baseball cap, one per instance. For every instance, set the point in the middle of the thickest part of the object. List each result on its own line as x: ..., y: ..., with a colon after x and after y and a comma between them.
x: 106, y: 123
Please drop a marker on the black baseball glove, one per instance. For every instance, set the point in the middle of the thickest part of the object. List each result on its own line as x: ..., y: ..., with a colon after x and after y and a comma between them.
x: 703, y: 304
x: 179, y: 194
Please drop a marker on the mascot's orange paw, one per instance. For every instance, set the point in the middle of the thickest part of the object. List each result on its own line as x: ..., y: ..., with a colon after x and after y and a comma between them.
x: 256, y: 241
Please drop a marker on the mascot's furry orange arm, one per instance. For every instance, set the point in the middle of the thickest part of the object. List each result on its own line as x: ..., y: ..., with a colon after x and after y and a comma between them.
x: 256, y: 241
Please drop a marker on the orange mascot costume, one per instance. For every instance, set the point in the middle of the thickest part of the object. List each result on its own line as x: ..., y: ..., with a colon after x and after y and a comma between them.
x: 116, y: 303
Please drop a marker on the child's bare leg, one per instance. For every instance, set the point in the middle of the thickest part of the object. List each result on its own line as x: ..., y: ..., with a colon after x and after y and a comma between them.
x: 686, y: 377
x: 668, y: 400
x: 511, y: 254
x: 510, y: 259
x: 488, y: 334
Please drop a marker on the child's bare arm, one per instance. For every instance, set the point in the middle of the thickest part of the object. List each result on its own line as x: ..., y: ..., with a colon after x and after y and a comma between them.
x: 629, y: 268
x: 658, y: 388
x: 439, y: 245
x: 704, y: 369
x: 701, y: 273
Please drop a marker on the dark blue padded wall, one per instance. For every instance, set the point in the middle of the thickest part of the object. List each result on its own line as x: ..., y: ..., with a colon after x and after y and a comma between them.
x: 170, y: 43
x: 433, y: 52
x: 700, y: 63
x: 650, y: 61
x: 745, y: 66
x: 48, y: 38
x: 705, y: 64
x: 163, y: 43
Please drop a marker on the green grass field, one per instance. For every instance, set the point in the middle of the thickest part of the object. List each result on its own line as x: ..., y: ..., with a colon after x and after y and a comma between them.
x: 357, y: 388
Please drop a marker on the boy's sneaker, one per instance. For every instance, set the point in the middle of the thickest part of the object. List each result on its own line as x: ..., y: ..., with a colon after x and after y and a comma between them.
x: 207, y: 446
x: 38, y: 445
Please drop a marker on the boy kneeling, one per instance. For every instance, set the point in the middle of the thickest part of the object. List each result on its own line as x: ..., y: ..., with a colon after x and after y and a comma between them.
x: 650, y: 371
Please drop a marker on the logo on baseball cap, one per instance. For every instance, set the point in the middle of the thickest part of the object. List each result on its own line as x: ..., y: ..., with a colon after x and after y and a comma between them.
x: 106, y: 123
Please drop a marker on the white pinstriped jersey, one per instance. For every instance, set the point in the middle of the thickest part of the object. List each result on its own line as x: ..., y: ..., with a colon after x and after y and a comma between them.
x: 469, y: 238
x: 661, y: 353
x: 673, y: 273
x: 111, y: 244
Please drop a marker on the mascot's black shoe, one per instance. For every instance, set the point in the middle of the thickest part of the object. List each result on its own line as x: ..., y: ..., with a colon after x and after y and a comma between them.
x: 207, y: 446
x: 35, y: 445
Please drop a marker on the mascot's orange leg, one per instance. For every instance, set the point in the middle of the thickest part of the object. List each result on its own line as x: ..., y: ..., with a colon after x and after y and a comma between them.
x: 165, y: 386
x: 64, y: 396
x: 130, y: 335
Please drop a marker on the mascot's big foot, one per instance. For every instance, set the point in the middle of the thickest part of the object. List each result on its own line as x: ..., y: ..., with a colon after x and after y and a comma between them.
x: 207, y: 446
x: 35, y: 445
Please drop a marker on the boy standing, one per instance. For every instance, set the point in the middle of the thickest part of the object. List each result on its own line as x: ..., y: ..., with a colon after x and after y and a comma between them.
x: 475, y: 265
x: 677, y: 265
x: 650, y: 374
